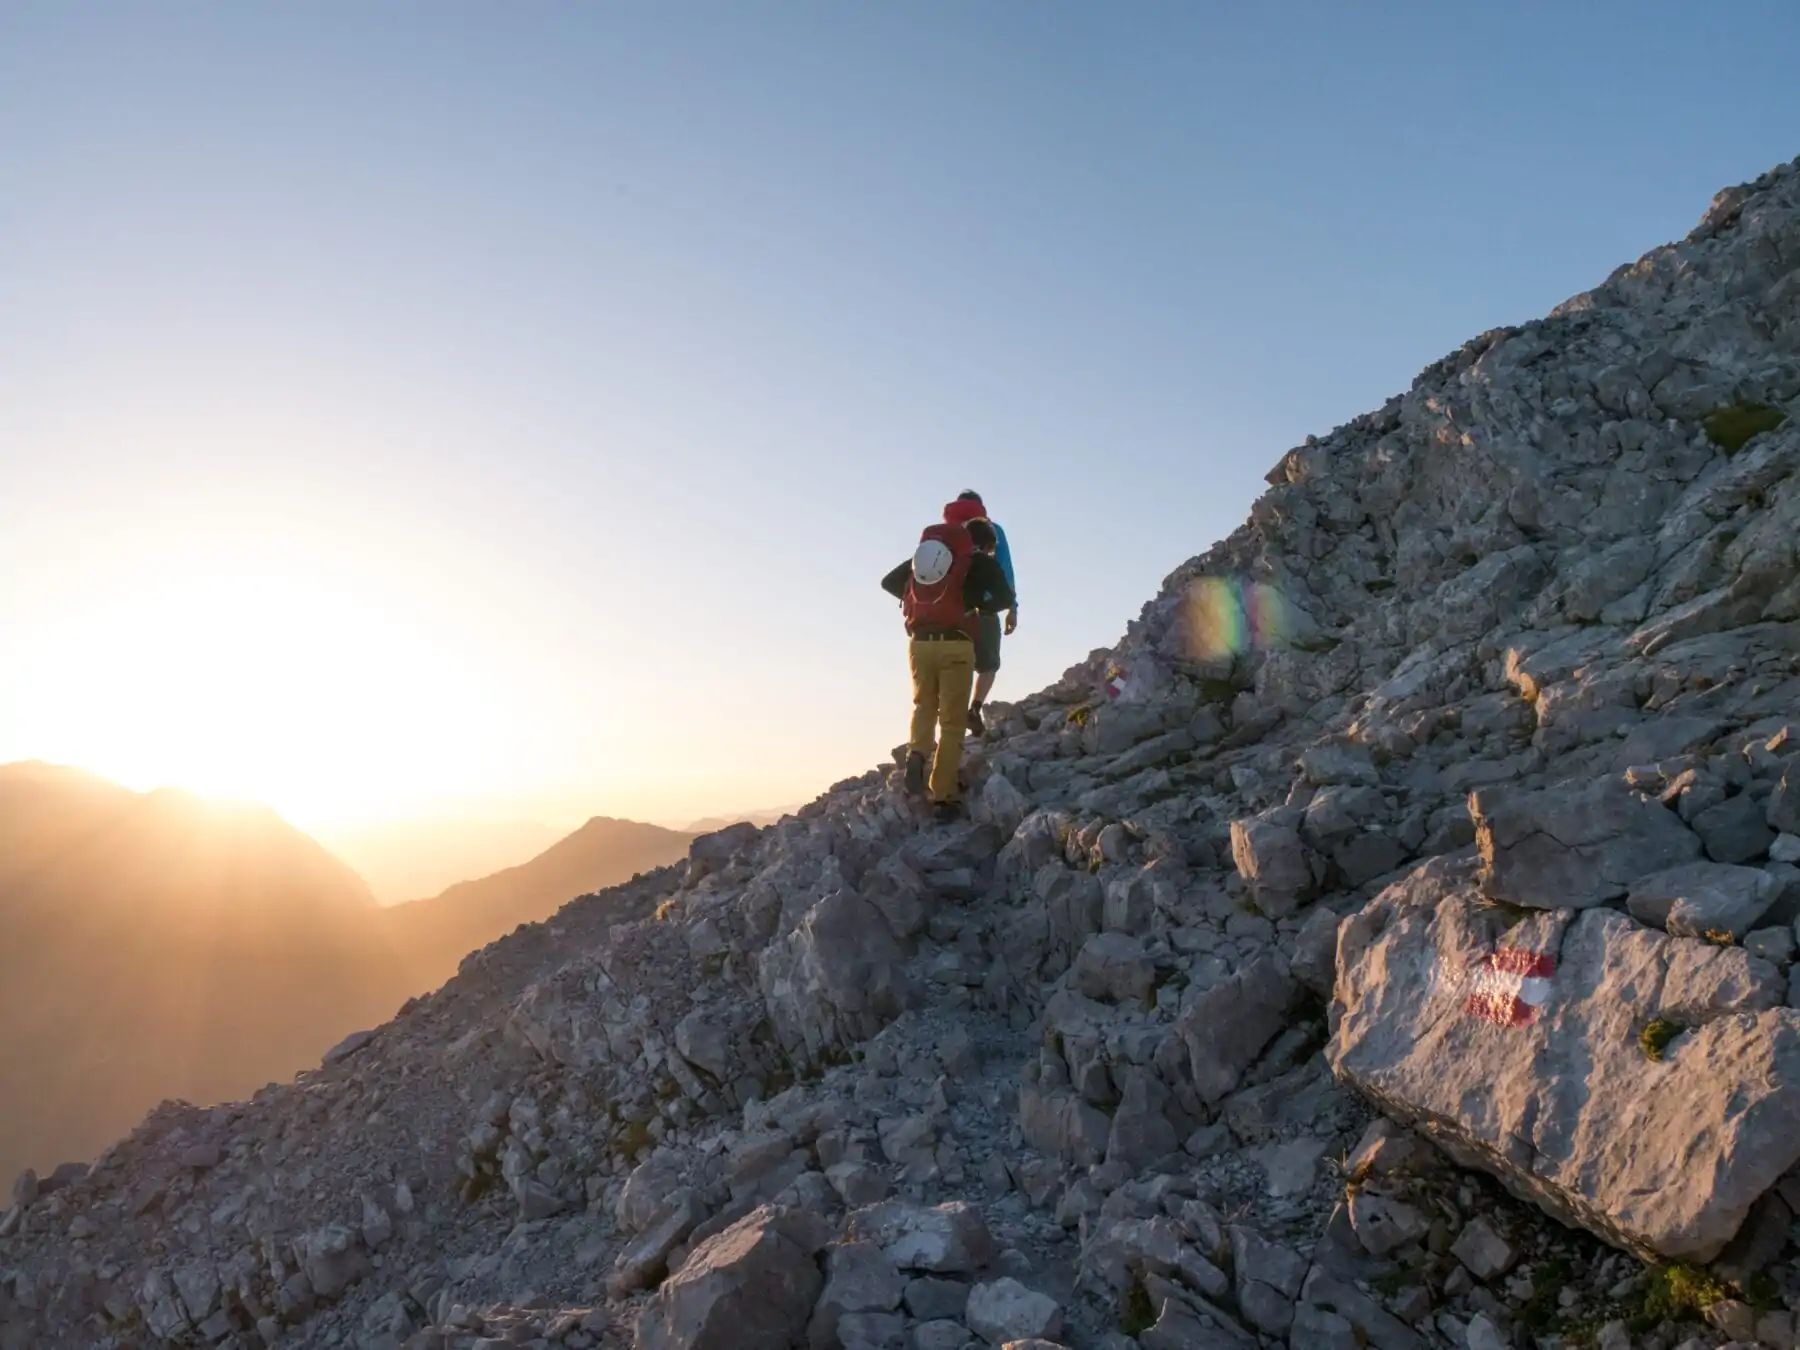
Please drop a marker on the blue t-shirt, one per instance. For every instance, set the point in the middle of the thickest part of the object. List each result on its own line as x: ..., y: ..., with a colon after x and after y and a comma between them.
x: 1003, y: 555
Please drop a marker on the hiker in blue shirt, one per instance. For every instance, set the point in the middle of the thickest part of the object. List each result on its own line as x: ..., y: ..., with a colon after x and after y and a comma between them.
x: 968, y: 506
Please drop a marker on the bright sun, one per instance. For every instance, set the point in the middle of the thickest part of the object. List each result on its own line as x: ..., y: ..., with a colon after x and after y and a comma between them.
x: 300, y: 688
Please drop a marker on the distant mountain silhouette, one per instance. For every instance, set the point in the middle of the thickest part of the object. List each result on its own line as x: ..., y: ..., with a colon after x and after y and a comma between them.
x: 157, y: 945
x: 436, y: 934
x: 767, y: 816
x: 411, y: 859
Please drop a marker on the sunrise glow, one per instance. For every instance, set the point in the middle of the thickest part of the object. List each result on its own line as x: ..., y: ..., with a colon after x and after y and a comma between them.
x: 277, y: 680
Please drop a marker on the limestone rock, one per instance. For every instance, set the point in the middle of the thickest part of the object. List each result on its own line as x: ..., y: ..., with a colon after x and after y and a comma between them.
x: 1271, y: 857
x: 951, y: 1238
x: 1314, y: 962
x: 1515, y: 1049
x: 1006, y: 1310
x: 1114, y: 967
x: 751, y: 1287
x: 1330, y: 765
x: 861, y: 1279
x: 1734, y: 831
x: 1227, y: 1026
x: 1141, y: 1130
x: 1572, y: 848
x: 931, y: 1299
x: 839, y: 974
x: 644, y: 1258
x: 1484, y: 1253
x: 1700, y: 898
x: 332, y: 1258
x: 1383, y: 1223
x: 647, y: 1190
x: 712, y: 852
x: 1783, y: 810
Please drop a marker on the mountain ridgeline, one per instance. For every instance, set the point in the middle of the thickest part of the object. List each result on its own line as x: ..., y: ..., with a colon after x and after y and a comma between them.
x: 156, y: 945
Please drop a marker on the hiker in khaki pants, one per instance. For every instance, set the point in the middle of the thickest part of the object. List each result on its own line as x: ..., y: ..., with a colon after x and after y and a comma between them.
x: 951, y: 577
x: 943, y: 674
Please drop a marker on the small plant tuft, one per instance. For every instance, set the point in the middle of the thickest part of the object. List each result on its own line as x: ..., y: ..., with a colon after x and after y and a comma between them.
x: 1732, y: 427
x: 633, y: 1139
x: 1216, y: 690
x: 1542, y: 1313
x: 1676, y: 1291
x: 1136, y: 1314
x: 1655, y: 1037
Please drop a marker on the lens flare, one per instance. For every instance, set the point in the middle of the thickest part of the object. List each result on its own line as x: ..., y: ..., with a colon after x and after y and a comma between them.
x: 1225, y: 617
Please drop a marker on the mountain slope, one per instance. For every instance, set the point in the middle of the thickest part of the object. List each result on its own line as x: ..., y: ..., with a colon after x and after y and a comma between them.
x: 1066, y: 1073
x: 436, y: 934
x: 157, y: 946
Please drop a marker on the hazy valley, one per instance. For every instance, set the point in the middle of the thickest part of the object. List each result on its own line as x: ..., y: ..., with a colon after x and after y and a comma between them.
x: 155, y: 945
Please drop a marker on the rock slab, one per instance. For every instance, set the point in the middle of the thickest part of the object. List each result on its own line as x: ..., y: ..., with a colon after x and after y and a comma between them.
x: 1574, y: 847
x: 1515, y: 1047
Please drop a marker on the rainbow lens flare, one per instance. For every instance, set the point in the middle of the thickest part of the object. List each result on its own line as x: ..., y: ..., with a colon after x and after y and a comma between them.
x: 1225, y: 617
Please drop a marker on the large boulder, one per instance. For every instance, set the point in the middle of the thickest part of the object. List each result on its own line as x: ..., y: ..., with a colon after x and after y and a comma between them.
x: 1574, y: 847
x: 750, y: 1287
x: 1226, y: 1027
x: 1520, y: 1048
x: 838, y: 978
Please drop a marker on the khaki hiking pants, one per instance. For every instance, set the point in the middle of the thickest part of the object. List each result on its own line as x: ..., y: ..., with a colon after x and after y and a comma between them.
x: 943, y: 677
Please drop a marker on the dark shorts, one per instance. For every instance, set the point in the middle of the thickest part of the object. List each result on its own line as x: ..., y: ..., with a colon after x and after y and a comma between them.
x: 987, y: 644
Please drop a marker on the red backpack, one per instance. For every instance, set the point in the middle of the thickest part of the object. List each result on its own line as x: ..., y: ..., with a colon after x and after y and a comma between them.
x: 934, y: 595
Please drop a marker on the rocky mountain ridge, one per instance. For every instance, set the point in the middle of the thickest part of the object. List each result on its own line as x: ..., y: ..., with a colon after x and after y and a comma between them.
x: 1456, y: 783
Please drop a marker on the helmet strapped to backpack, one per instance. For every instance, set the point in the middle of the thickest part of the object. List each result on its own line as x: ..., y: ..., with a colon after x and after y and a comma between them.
x: 934, y: 595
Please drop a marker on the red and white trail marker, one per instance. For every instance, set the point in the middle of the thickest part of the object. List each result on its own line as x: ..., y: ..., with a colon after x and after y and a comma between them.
x: 1510, y: 984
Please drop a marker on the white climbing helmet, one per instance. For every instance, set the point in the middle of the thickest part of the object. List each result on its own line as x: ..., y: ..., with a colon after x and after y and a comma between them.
x: 932, y: 561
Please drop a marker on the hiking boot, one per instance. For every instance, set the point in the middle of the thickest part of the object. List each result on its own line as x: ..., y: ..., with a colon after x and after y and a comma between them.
x: 975, y: 726
x: 915, y: 773
x: 947, y: 813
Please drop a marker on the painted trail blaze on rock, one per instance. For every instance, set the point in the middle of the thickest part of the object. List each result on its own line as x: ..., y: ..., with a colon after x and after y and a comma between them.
x: 1510, y: 984
x: 1666, y: 1157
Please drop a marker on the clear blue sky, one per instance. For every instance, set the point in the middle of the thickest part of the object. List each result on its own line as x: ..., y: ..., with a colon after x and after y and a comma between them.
x: 522, y: 400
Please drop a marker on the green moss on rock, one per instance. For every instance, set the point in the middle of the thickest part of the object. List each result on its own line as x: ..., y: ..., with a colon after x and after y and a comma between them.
x: 1731, y: 428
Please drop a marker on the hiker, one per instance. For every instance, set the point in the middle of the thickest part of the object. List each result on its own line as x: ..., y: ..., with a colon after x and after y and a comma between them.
x: 944, y: 588
x: 968, y: 506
